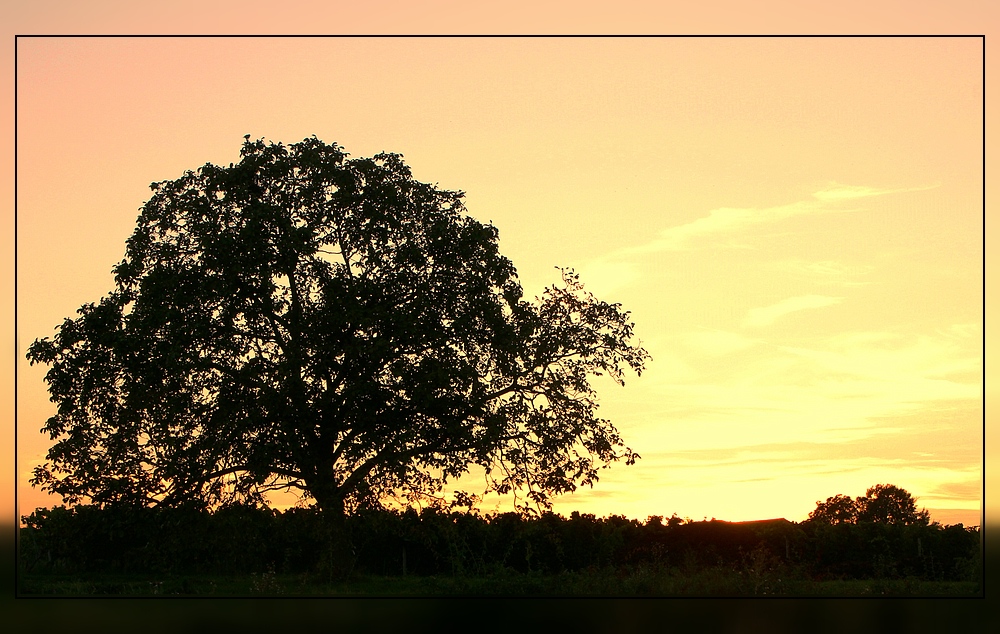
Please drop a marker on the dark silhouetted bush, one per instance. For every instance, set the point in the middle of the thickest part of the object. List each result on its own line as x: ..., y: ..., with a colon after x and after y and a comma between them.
x: 240, y: 539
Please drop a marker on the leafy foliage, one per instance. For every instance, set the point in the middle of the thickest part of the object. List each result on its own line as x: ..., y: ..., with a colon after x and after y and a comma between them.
x: 882, y: 503
x: 839, y: 509
x: 239, y: 539
x: 889, y: 504
x: 304, y: 320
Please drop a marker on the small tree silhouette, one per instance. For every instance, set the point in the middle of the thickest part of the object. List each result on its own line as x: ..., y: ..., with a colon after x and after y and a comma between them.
x: 839, y: 509
x: 889, y: 504
x: 882, y: 503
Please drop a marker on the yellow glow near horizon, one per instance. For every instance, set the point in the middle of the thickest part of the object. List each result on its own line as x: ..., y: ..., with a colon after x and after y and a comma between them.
x: 795, y: 224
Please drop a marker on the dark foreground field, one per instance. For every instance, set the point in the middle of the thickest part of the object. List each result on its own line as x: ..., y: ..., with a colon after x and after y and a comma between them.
x: 250, y: 552
x: 171, y: 602
x: 640, y: 582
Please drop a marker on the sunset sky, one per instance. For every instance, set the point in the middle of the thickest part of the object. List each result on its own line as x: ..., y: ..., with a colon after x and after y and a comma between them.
x: 796, y: 225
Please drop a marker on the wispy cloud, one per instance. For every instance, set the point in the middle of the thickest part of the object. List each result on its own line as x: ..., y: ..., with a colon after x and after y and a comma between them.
x: 961, y: 331
x: 732, y: 219
x: 767, y: 315
x: 839, y: 389
x: 726, y: 227
x: 604, y: 277
x: 887, y: 357
x: 837, y: 191
x: 826, y: 272
x: 719, y: 221
x: 833, y: 415
x: 716, y: 343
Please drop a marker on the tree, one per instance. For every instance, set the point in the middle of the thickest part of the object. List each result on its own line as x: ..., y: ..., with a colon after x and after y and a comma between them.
x: 882, y: 504
x: 839, y: 509
x: 304, y: 320
x: 889, y: 504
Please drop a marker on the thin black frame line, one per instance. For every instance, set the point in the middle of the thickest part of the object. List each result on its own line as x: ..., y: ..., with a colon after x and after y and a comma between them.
x: 503, y: 35
x: 17, y: 347
x: 982, y: 527
x: 982, y: 482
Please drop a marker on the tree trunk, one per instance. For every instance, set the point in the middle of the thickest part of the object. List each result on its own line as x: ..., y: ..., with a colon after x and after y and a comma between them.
x: 337, y: 555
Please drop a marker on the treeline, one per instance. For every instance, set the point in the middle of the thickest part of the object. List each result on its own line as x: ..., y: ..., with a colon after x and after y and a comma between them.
x: 243, y: 539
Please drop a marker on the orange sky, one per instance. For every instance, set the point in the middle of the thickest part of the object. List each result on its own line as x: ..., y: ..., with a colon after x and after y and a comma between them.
x: 796, y: 224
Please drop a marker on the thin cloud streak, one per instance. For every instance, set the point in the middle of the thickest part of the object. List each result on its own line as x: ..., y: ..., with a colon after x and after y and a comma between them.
x: 841, y: 389
x: 719, y: 221
x: 825, y: 272
x: 731, y: 219
x: 715, y: 343
x: 619, y: 268
x: 767, y: 315
x: 849, y: 192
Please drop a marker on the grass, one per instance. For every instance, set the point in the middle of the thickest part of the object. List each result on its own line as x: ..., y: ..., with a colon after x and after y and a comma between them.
x: 639, y: 581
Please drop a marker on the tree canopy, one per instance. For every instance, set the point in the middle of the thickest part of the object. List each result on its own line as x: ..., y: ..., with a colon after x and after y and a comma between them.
x: 881, y: 503
x: 305, y: 320
x: 839, y: 509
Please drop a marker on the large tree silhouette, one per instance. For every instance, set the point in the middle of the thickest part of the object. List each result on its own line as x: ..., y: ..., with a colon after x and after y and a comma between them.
x: 306, y: 320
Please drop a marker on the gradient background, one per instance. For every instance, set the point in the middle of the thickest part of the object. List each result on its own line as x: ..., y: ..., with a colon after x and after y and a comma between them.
x: 796, y: 224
